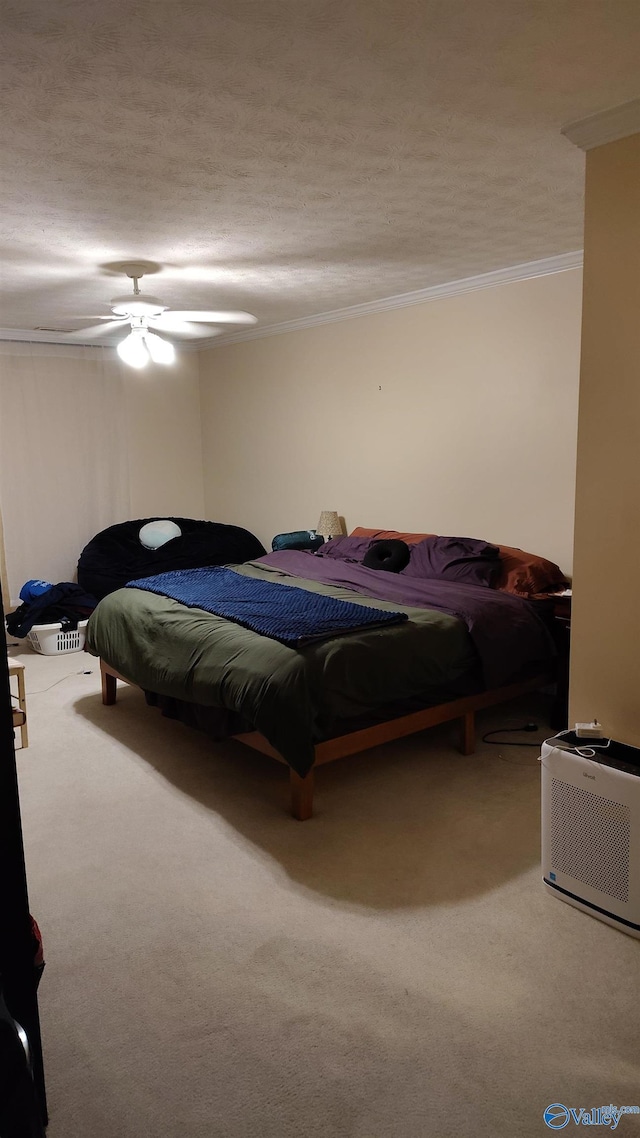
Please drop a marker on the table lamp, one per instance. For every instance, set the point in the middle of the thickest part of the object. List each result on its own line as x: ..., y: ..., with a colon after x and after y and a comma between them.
x: 329, y: 525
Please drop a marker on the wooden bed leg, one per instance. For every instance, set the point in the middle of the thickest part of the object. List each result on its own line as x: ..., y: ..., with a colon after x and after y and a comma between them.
x: 109, y: 685
x: 468, y: 742
x: 301, y: 795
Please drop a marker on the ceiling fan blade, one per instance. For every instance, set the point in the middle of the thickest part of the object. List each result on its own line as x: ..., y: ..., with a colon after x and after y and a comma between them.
x: 95, y: 316
x: 165, y: 323
x: 96, y: 330
x: 206, y: 317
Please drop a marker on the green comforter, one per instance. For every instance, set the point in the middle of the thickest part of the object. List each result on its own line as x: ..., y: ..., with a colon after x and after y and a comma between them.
x: 293, y: 696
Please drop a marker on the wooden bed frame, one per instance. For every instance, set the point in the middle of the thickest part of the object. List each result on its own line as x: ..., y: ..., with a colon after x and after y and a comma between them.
x: 302, y: 788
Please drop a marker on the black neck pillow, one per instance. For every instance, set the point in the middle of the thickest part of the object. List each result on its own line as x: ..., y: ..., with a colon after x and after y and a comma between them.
x: 390, y: 555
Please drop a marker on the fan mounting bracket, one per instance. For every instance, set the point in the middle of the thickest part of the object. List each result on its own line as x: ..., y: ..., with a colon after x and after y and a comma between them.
x: 134, y: 269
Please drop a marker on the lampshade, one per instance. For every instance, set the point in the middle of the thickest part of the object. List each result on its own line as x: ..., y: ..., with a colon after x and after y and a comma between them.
x: 329, y: 524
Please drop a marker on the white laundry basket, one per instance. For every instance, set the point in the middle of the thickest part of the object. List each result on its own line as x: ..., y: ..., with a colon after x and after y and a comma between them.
x: 50, y: 640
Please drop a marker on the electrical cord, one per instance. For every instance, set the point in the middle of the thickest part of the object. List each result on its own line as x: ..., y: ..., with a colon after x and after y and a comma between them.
x: 510, y: 742
x: 39, y: 691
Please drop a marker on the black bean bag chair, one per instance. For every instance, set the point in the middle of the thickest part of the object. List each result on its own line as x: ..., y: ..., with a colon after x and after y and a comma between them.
x: 116, y: 555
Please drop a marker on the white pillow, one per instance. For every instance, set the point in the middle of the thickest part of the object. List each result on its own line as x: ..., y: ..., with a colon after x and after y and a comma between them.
x: 155, y: 534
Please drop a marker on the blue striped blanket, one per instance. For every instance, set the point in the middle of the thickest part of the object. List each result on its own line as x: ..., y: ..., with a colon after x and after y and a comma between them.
x: 283, y: 612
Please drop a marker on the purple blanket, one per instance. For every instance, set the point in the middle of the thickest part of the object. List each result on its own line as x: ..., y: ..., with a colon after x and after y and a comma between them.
x: 508, y: 634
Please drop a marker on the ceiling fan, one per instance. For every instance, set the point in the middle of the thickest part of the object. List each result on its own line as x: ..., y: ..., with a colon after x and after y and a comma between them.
x: 146, y: 315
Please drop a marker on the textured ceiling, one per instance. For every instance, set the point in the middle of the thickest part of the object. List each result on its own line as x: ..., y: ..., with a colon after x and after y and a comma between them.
x: 291, y: 157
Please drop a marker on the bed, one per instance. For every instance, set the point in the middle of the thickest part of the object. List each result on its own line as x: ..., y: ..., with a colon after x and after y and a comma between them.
x: 452, y: 646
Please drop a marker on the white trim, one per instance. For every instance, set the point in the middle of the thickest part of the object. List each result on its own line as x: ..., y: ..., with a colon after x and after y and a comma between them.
x: 523, y: 272
x: 74, y: 340
x: 35, y: 336
x: 16, y: 344
x: 605, y: 126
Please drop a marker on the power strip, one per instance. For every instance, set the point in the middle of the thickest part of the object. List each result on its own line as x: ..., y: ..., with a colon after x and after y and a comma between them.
x: 589, y: 730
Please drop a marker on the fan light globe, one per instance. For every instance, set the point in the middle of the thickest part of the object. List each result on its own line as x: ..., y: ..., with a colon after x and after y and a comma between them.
x: 132, y: 350
x: 161, y: 351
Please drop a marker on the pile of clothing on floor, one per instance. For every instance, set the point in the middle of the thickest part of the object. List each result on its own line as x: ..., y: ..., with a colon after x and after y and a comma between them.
x: 43, y: 603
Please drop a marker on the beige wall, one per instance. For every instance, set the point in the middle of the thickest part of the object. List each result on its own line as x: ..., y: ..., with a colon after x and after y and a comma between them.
x: 456, y: 416
x: 165, y: 439
x: 86, y: 442
x: 605, y: 672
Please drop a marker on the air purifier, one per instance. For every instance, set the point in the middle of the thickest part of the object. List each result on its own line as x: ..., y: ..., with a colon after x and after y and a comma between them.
x: 591, y: 827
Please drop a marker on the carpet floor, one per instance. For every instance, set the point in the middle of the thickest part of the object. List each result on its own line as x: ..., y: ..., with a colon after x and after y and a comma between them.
x: 392, y: 968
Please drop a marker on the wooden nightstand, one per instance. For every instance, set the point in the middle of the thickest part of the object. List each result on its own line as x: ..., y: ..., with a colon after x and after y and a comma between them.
x: 562, y: 608
x: 19, y: 713
x: 559, y: 717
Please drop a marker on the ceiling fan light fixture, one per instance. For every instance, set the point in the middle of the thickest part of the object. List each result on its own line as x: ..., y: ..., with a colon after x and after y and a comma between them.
x: 142, y: 312
x: 132, y: 350
x: 160, y: 350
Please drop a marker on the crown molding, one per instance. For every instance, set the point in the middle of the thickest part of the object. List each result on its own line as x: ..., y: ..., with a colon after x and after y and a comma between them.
x: 16, y: 342
x: 36, y: 336
x: 74, y: 340
x: 545, y: 267
x: 605, y: 126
